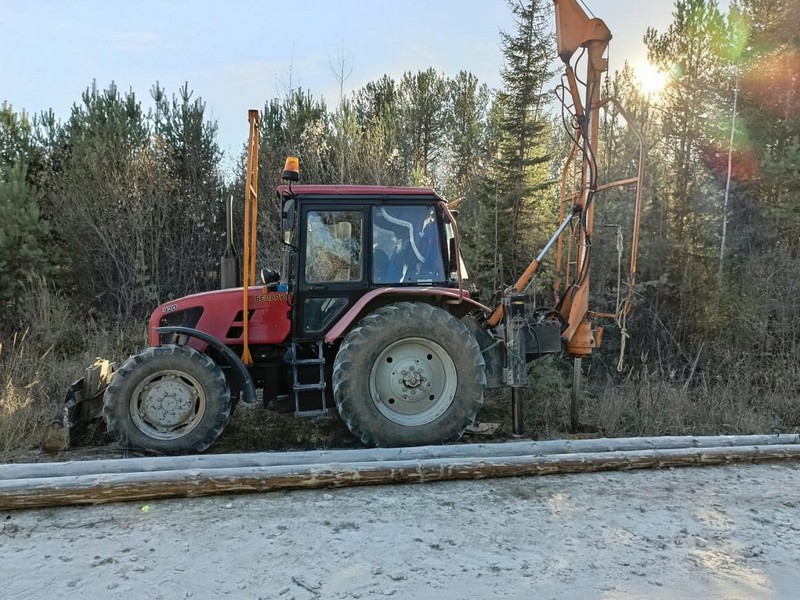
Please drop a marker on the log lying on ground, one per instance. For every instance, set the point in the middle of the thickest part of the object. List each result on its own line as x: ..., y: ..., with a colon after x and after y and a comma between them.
x: 268, y: 459
x: 101, y: 488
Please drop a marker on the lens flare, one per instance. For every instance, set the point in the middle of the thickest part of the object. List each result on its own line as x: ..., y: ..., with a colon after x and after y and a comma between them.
x: 743, y: 160
x: 651, y: 80
x: 773, y: 83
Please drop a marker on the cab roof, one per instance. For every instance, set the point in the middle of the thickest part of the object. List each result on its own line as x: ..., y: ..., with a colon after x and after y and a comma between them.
x: 375, y: 191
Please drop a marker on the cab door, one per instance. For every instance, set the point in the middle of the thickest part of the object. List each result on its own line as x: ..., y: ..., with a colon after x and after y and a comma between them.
x: 332, y: 269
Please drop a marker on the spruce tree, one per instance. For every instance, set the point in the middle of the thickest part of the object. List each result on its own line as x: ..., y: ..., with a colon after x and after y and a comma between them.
x: 518, y: 207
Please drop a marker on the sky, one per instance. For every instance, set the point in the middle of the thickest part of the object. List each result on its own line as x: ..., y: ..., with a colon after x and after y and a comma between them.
x: 236, y: 55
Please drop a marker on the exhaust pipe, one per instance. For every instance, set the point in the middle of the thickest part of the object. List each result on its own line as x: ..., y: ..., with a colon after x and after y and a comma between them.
x: 229, y: 263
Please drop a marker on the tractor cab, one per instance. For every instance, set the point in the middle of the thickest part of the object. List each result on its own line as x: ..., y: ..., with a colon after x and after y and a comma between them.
x: 343, y: 243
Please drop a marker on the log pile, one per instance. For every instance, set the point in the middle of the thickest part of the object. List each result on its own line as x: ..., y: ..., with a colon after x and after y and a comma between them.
x: 96, y: 482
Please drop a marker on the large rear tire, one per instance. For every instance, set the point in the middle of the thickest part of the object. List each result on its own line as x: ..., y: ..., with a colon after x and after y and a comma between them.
x: 167, y: 398
x: 409, y: 374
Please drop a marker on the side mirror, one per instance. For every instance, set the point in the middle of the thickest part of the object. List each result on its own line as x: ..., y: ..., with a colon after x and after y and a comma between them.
x: 288, y: 215
x: 452, y: 263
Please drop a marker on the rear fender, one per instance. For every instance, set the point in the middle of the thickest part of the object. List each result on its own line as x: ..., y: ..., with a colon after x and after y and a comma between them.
x: 242, y: 377
x: 402, y: 294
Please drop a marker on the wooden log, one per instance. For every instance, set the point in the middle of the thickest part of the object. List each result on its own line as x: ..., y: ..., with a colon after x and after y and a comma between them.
x: 116, y: 487
x: 265, y: 459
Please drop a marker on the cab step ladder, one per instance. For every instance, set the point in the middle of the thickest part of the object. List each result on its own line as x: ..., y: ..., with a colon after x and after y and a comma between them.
x: 317, y: 386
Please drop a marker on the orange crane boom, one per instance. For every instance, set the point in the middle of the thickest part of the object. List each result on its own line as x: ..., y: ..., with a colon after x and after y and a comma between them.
x: 576, y: 31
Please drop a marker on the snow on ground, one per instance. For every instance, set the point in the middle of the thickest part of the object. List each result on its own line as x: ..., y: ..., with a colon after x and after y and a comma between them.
x: 715, y: 532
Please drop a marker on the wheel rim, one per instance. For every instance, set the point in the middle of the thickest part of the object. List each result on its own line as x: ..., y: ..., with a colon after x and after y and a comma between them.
x: 167, y: 405
x: 413, y: 381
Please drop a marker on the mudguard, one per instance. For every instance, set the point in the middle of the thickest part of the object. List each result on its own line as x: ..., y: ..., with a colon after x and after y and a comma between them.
x: 242, y: 375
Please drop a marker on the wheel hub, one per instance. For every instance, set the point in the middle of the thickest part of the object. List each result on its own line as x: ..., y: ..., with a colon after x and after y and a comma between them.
x: 413, y: 381
x: 167, y: 405
x: 168, y: 402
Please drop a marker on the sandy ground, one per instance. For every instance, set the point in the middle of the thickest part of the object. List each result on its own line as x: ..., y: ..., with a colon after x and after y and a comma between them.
x: 717, y: 532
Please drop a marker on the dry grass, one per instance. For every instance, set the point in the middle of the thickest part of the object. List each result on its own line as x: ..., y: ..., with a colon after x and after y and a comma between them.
x: 648, y: 405
x: 37, y: 366
x: 22, y: 412
x: 33, y: 379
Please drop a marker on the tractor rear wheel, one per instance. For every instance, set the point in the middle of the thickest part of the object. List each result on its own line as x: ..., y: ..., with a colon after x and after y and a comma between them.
x: 169, y: 399
x: 409, y: 374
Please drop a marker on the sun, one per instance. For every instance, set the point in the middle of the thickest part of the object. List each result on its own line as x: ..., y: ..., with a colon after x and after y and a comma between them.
x: 651, y: 80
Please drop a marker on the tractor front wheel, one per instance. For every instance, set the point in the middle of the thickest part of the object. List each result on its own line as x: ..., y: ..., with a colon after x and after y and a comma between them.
x: 409, y: 374
x: 169, y: 399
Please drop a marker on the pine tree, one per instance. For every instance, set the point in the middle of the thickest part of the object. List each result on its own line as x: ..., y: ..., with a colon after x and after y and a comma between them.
x: 23, y: 233
x: 692, y: 133
x: 692, y: 151
x: 377, y: 114
x: 185, y: 140
x: 468, y: 101
x: 18, y: 142
x: 423, y: 114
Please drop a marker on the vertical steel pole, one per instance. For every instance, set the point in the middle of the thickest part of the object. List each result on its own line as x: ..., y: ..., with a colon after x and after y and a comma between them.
x: 517, y: 399
x: 575, y: 399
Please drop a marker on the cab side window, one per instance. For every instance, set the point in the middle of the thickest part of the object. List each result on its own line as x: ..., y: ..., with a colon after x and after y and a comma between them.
x: 333, y: 246
x: 406, y: 247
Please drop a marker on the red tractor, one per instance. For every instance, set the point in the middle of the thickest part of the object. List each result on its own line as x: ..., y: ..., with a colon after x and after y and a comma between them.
x: 370, y: 316
x: 369, y: 312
